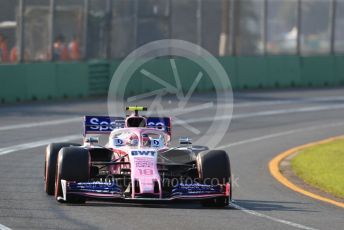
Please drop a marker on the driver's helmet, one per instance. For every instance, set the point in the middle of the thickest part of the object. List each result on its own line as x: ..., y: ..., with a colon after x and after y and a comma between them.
x: 146, y: 140
x: 133, y: 140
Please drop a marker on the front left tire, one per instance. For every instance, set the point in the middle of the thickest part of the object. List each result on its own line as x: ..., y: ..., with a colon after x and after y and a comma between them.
x: 73, y: 164
x: 51, y: 154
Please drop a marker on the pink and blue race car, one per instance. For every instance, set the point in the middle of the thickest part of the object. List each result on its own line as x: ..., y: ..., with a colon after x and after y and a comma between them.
x: 137, y: 163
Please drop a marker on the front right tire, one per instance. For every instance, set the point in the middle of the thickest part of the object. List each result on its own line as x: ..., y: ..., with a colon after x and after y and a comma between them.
x: 214, y: 168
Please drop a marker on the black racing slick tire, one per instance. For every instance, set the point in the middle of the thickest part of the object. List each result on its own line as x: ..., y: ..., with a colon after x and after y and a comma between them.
x: 51, y: 154
x: 73, y: 164
x: 214, y: 168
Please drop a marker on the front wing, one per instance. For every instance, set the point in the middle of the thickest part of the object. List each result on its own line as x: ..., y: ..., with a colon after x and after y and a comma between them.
x: 105, y: 190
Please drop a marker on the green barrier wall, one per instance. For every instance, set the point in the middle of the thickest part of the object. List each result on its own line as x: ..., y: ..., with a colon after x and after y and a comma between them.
x: 283, y: 71
x: 71, y: 80
x: 13, y: 85
x: 44, y: 81
x: 251, y: 72
x: 318, y: 71
x: 339, y: 69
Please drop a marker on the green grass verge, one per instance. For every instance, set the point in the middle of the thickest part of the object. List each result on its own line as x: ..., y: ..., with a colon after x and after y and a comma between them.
x: 322, y: 166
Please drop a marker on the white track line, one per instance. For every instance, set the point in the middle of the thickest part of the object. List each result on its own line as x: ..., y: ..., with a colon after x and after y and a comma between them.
x: 251, y: 104
x: 273, y: 135
x: 287, y: 111
x: 43, y: 123
x: 3, y: 227
x: 31, y: 145
x: 242, y: 101
x: 263, y: 113
x: 251, y: 212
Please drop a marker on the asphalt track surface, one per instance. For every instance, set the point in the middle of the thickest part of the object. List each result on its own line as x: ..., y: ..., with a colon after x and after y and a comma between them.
x: 264, y: 124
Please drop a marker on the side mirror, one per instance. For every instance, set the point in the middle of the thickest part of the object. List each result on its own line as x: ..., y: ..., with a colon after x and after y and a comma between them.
x: 185, y: 141
x: 92, y: 140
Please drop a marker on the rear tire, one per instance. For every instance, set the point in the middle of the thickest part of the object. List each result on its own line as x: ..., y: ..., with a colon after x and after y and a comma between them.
x: 51, y: 154
x: 73, y: 164
x: 214, y: 168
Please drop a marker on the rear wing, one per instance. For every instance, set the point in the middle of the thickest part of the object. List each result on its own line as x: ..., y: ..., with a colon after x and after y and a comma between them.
x: 102, y: 124
x: 161, y: 123
x: 106, y: 124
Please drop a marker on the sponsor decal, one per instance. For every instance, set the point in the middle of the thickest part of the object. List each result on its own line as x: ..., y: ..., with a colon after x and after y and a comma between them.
x: 143, y: 153
x: 144, y: 164
x: 195, y: 189
x: 160, y: 123
x: 155, y: 143
x: 157, y: 125
x: 118, y: 142
x: 101, y: 125
x: 96, y: 187
x: 94, y: 124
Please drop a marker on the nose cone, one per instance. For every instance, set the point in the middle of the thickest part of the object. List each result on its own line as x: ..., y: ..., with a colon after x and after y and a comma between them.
x: 144, y: 171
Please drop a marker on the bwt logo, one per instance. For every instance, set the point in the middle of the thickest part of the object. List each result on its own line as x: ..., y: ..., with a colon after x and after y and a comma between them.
x: 142, y: 153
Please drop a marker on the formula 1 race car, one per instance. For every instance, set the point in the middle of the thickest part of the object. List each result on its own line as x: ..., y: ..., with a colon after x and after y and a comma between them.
x: 137, y: 163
